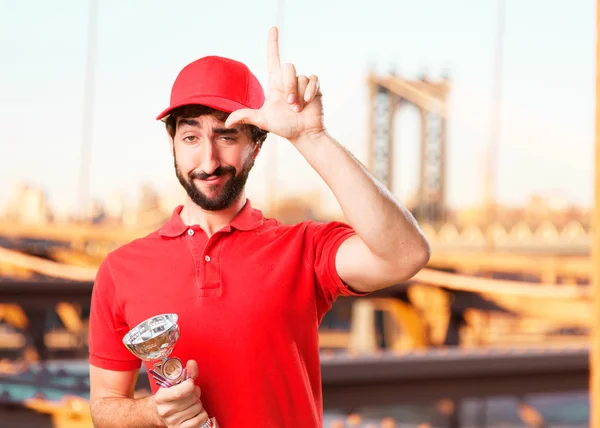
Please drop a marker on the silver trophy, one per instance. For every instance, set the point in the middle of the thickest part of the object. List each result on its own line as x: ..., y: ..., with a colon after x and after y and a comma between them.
x: 155, y: 339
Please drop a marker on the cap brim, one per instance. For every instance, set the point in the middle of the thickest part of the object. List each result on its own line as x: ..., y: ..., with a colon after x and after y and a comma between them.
x: 217, y: 103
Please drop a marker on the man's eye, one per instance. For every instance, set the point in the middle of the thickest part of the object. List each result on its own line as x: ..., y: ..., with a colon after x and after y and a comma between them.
x: 226, y: 140
x: 190, y: 138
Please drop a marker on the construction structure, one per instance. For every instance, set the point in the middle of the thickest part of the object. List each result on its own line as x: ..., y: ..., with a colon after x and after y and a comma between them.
x: 387, y: 95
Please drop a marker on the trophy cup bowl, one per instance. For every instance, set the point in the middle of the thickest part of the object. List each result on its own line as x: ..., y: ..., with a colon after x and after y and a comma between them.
x: 155, y: 339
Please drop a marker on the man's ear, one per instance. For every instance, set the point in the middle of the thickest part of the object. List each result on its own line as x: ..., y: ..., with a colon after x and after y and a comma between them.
x: 170, y: 139
x: 257, y: 148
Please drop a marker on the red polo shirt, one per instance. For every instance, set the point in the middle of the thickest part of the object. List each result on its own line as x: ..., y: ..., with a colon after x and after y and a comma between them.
x: 249, y: 300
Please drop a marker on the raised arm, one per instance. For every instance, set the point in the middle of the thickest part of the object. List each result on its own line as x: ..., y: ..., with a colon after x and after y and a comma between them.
x: 389, y: 247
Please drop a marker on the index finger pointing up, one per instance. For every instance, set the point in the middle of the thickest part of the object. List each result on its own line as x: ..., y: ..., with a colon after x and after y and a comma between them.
x: 273, y: 63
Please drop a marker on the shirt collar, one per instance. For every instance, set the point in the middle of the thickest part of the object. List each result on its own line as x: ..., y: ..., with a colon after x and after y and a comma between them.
x: 247, y: 219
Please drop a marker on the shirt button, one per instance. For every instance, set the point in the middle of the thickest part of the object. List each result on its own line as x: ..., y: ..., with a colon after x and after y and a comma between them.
x: 207, y: 258
x: 190, y: 232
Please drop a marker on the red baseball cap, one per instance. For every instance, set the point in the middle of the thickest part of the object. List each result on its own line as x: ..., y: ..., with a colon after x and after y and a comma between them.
x: 213, y: 81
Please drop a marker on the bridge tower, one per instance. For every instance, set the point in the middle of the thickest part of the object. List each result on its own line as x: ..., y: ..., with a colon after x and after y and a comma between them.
x: 387, y: 94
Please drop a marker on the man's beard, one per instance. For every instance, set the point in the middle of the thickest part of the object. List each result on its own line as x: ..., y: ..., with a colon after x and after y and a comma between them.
x: 230, y: 191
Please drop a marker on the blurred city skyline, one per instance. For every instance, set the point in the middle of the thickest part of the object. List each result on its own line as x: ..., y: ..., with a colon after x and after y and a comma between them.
x: 546, y: 141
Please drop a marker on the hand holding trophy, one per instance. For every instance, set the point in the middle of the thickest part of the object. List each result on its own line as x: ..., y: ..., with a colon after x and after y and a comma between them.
x: 155, y: 339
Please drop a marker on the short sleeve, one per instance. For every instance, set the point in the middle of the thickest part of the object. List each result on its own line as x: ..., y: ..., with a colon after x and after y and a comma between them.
x: 326, y: 239
x: 108, y: 326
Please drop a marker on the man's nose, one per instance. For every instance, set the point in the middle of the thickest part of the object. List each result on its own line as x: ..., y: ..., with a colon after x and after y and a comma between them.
x: 210, y: 157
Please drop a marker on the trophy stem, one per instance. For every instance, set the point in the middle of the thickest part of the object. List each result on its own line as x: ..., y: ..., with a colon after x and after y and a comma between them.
x: 171, y: 369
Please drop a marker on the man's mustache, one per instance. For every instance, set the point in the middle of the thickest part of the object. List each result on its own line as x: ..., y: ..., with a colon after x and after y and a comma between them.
x: 222, y: 170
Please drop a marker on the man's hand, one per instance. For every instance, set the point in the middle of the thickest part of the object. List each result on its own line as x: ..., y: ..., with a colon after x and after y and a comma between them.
x: 179, y: 406
x: 293, y: 107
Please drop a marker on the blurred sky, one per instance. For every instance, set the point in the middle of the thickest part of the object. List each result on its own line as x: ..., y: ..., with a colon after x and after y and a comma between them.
x: 547, y: 129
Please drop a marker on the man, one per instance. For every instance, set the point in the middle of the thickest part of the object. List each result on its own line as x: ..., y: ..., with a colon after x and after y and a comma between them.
x: 249, y: 292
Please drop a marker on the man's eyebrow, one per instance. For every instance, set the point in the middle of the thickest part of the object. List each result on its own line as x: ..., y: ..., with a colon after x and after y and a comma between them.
x: 189, y: 122
x: 226, y: 131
